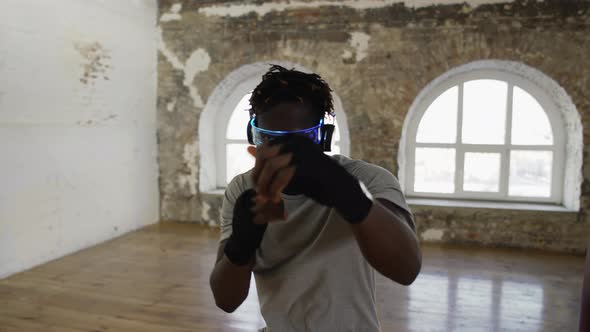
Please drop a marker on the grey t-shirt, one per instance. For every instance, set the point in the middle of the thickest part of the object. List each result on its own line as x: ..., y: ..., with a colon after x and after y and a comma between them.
x: 309, y: 271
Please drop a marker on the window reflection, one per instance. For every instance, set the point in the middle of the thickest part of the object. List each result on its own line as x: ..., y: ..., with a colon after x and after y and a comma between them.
x: 473, y: 310
x: 440, y: 302
x: 521, y: 305
x: 428, y: 297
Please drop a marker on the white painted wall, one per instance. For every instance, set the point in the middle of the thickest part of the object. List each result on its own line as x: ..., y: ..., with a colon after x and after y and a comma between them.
x: 77, y: 160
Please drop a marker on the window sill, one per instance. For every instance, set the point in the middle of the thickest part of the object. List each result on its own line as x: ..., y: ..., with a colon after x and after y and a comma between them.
x: 487, y: 205
x: 418, y: 201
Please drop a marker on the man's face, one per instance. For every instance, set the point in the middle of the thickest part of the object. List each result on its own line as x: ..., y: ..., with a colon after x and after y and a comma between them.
x: 286, y: 116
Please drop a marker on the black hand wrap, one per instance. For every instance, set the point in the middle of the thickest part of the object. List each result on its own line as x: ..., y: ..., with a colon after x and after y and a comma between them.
x: 246, y: 235
x: 321, y: 178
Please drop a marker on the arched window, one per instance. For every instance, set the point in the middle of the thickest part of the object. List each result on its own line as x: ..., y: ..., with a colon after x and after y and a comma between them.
x: 222, y: 128
x: 489, y: 131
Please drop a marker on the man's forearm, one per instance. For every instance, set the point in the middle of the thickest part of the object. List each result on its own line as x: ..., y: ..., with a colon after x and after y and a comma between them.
x: 230, y: 284
x: 389, y: 244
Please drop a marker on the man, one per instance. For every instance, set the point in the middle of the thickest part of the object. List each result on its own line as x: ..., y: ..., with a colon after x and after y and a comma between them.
x: 312, y: 228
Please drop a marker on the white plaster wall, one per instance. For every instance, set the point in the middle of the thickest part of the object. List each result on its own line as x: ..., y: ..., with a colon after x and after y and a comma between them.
x: 77, y: 125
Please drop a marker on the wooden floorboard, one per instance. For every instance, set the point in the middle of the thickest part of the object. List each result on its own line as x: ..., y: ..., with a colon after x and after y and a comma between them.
x: 157, y: 279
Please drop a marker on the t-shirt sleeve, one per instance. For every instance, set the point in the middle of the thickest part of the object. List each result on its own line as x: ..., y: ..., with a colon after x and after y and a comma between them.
x: 384, y: 185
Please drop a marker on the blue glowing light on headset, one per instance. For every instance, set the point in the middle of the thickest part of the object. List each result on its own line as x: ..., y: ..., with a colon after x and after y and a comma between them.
x: 261, y: 135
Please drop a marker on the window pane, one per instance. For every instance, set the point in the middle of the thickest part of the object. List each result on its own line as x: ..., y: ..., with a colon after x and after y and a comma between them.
x: 439, y: 122
x: 336, y: 136
x: 434, y: 170
x: 484, y: 111
x: 238, y: 160
x: 530, y: 125
x: 238, y: 122
x: 530, y: 173
x: 482, y: 172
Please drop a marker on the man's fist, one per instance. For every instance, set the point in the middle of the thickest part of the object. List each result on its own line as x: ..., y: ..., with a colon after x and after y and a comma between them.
x: 296, y: 165
x: 322, y: 178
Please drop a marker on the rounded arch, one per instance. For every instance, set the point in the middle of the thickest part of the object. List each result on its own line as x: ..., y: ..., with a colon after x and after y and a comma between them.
x: 220, y: 105
x: 562, y: 112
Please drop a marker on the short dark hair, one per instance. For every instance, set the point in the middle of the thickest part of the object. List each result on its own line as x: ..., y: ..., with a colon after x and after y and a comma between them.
x: 280, y: 85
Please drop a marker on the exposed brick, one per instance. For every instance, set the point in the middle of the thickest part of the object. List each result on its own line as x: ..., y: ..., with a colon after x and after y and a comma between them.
x: 408, y: 48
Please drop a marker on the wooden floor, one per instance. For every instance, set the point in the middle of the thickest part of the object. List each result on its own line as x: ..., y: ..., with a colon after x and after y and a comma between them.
x: 156, y: 279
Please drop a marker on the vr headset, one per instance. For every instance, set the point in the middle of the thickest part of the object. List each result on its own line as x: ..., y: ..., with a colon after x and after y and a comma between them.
x: 320, y: 134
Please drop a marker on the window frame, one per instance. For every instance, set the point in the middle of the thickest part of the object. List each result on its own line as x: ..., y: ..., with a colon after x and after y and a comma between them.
x: 222, y: 121
x: 512, y: 79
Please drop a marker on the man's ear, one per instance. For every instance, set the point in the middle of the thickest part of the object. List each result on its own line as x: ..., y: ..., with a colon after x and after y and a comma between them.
x: 252, y: 151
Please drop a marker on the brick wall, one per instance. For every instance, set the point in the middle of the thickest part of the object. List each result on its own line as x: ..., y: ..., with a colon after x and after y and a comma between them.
x: 202, y: 42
